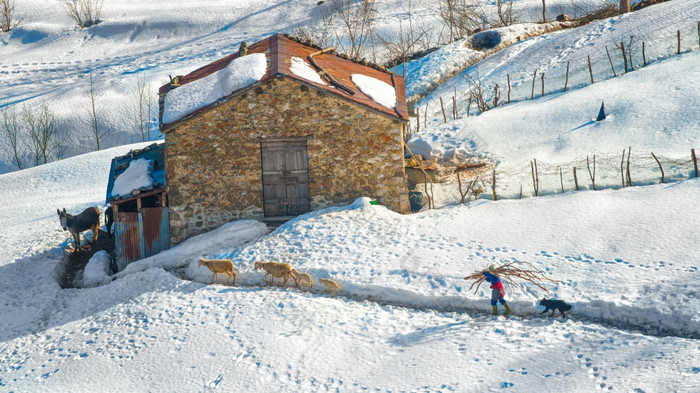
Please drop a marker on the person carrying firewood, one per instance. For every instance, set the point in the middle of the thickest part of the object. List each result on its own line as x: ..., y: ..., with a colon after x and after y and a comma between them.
x: 497, y: 291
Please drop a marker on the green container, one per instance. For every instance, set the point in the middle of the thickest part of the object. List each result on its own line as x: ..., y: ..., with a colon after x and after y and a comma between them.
x: 373, y: 202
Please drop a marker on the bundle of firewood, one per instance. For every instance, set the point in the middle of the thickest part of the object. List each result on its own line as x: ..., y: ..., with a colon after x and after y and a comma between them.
x: 508, y: 273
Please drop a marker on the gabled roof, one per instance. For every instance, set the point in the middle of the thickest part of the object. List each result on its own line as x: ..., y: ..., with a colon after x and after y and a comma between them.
x: 335, y: 71
x: 155, y: 152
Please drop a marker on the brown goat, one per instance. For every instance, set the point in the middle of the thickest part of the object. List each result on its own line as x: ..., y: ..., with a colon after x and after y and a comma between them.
x: 219, y: 266
x: 302, y: 277
x: 330, y: 285
x: 277, y: 269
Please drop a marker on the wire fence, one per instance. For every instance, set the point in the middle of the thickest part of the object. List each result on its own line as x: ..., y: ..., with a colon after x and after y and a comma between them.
x: 620, y: 55
x: 538, y: 178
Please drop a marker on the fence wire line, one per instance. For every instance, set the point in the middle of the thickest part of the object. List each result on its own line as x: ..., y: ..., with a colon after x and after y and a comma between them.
x: 610, y: 173
x: 578, y: 75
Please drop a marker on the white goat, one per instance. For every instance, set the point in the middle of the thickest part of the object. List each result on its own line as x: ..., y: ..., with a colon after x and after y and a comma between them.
x: 302, y: 277
x: 219, y: 266
x: 330, y: 285
x: 277, y: 269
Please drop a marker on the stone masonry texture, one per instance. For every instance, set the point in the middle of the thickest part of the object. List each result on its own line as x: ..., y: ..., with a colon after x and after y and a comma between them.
x: 213, y: 162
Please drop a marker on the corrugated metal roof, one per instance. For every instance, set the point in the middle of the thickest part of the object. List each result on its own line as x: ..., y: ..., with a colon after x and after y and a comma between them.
x: 155, y: 152
x: 279, y: 50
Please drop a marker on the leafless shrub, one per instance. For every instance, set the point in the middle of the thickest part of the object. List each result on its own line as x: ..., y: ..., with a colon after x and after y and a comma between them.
x: 43, y: 139
x: 7, y: 14
x: 11, y: 132
x: 477, y: 94
x: 407, y: 41
x: 142, y: 109
x: 351, y: 19
x: 84, y: 13
x: 96, y: 131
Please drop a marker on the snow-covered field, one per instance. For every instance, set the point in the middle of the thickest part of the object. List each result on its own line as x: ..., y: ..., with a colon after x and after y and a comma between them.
x: 406, y: 320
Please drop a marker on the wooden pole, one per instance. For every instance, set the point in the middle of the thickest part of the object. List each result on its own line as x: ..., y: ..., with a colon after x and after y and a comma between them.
x: 521, y: 192
x: 542, y: 78
x: 508, y: 77
x: 630, y: 54
x: 535, y: 178
x: 629, y: 178
x: 454, y: 108
x: 622, y: 168
x: 591, y: 174
x: 544, y: 12
x: 493, y: 186
x: 425, y: 117
x: 532, y: 94
x: 566, y: 82
x: 469, y: 105
x: 695, y: 161
x: 575, y: 179
x: 454, y: 105
x: 590, y: 69
x: 661, y: 168
x: 679, y: 41
x: 418, y: 121
x: 444, y: 116
x: 561, y: 179
x: 698, y: 33
x: 611, y: 63
x: 644, y: 55
x: 624, y: 56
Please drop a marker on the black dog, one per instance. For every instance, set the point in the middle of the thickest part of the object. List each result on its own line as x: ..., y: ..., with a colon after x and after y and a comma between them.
x: 551, y: 304
x: 109, y: 220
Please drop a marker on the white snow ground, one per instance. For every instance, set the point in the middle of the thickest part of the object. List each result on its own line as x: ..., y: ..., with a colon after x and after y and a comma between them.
x: 405, y: 321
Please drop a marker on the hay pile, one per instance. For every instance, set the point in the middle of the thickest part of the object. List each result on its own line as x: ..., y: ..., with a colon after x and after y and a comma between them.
x: 508, y: 273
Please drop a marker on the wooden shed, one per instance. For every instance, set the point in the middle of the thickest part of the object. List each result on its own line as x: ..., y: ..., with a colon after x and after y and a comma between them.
x: 277, y: 129
x: 141, y: 219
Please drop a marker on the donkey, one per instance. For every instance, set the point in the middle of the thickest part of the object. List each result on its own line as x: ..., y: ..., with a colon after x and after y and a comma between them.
x: 88, y: 219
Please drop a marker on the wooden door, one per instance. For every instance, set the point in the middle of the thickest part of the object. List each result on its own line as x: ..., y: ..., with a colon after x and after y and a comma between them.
x: 285, y: 169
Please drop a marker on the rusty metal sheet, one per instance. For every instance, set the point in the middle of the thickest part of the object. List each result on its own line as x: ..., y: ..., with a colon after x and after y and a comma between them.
x: 280, y: 50
x: 128, y: 239
x: 156, y: 230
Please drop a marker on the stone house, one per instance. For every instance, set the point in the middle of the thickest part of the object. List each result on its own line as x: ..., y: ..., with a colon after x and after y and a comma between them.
x: 278, y: 129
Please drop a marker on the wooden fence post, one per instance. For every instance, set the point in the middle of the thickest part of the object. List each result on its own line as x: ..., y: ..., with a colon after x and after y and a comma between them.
x: 679, y: 41
x: 695, y: 161
x: 542, y: 78
x: 418, y: 121
x: 622, y: 168
x: 644, y: 55
x: 561, y: 179
x: 532, y: 94
x: 535, y: 177
x: 611, y: 63
x: 493, y: 186
x: 624, y: 56
x: 566, y: 82
x: 508, y: 76
x: 444, y: 116
x: 425, y: 117
x: 576, y: 179
x: 590, y: 69
x: 661, y: 168
x: 629, y: 177
x: 591, y: 174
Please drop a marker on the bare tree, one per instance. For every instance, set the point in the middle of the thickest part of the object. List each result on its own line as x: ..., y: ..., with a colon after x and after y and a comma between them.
x: 11, y: 132
x: 7, y: 14
x: 42, y: 132
x: 400, y: 45
x: 351, y: 19
x: 460, y: 18
x: 96, y: 131
x: 506, y: 14
x: 142, y: 108
x: 84, y: 13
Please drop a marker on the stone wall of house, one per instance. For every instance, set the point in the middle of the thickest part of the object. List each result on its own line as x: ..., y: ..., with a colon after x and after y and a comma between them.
x: 213, y: 160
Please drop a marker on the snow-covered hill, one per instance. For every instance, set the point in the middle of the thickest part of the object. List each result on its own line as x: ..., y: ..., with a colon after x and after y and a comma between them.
x: 627, y: 260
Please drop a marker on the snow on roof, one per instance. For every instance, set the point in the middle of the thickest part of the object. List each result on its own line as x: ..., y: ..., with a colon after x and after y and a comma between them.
x: 135, y: 177
x: 188, y: 98
x: 379, y: 91
x: 302, y: 69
